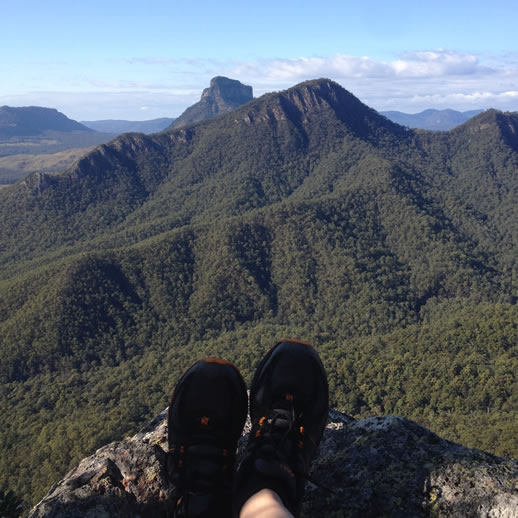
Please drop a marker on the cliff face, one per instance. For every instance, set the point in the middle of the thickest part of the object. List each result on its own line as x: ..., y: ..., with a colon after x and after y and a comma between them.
x: 222, y: 96
x: 382, y: 466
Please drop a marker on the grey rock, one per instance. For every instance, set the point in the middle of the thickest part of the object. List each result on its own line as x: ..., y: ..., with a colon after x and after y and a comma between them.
x: 376, y: 467
x: 222, y: 96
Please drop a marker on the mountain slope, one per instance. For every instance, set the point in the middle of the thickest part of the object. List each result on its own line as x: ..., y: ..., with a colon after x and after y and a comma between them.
x: 16, y: 167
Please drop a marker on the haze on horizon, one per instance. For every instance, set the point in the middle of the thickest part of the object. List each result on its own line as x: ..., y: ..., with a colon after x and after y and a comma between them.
x: 127, y: 60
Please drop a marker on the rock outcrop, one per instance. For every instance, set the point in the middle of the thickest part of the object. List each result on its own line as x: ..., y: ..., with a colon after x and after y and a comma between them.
x: 381, y: 466
x: 223, y: 96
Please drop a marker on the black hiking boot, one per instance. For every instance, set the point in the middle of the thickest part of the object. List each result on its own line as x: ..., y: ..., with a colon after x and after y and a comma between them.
x: 206, y: 417
x: 289, y: 411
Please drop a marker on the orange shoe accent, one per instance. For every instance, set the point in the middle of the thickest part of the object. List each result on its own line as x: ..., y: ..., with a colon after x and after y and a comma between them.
x: 301, y: 430
x: 262, y: 421
x: 288, y: 470
x: 219, y: 361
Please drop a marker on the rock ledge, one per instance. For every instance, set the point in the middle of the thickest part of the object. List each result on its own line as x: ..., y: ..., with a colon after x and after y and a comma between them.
x: 380, y: 466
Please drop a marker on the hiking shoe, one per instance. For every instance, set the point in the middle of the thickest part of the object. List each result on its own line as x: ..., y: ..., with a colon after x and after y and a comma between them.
x: 289, y: 410
x: 206, y: 417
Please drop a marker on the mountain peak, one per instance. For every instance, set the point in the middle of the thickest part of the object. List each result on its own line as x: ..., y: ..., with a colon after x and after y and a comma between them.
x: 229, y: 91
x: 325, y: 98
x: 311, y: 94
x: 222, y: 96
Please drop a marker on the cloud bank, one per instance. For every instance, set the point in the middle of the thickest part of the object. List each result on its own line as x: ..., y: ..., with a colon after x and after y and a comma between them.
x: 412, y: 82
x: 423, y: 64
x: 157, y: 86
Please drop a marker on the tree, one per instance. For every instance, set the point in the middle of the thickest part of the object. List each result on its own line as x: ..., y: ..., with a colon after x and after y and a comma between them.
x: 10, y: 505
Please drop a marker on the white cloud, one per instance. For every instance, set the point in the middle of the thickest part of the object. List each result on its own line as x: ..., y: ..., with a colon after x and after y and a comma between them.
x: 437, y: 63
x: 341, y: 65
x: 475, y: 98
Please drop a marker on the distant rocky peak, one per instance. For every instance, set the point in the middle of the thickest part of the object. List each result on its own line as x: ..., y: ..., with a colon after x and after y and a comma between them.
x: 222, y: 96
x: 228, y: 91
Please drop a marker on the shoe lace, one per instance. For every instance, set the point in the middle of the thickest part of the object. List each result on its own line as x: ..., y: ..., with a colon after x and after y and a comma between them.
x: 280, y: 436
x: 197, y: 473
x: 277, y: 436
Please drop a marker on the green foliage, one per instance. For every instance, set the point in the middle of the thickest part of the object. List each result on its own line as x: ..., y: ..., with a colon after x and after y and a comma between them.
x: 10, y: 505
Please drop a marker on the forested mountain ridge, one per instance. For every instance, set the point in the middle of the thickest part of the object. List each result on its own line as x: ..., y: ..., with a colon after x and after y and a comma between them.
x: 150, y: 177
x: 301, y: 213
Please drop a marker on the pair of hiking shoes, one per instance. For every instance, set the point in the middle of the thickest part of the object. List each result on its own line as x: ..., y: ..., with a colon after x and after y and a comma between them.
x: 288, y: 410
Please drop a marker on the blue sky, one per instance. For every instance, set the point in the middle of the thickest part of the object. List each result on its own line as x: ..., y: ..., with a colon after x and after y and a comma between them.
x: 140, y: 60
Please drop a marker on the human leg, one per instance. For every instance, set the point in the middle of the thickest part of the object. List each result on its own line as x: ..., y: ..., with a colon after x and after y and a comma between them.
x: 264, y: 504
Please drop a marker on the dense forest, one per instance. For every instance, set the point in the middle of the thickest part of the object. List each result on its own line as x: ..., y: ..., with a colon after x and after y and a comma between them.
x: 301, y: 214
